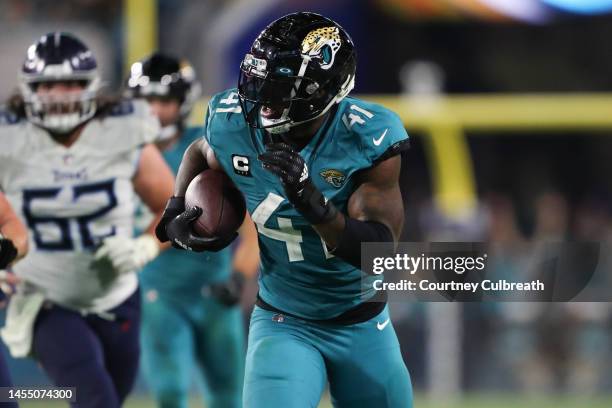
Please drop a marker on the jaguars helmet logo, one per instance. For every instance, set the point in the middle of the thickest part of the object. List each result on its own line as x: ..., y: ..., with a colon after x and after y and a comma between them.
x: 334, y: 177
x: 322, y: 44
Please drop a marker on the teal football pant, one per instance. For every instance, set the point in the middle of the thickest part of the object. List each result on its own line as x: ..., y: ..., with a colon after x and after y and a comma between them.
x: 175, y: 335
x: 290, y: 360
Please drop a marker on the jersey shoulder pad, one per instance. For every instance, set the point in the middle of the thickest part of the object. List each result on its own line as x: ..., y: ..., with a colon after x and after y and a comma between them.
x: 132, y: 124
x: 17, y: 137
x: 13, y: 134
x: 8, y: 117
x: 378, y: 131
x: 224, y: 114
x: 225, y: 103
x: 122, y: 108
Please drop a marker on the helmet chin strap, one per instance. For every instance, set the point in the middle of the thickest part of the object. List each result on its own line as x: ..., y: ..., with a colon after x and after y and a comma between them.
x: 279, y: 125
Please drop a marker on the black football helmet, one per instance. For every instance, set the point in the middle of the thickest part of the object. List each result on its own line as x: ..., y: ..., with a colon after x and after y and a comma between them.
x: 59, y: 57
x: 297, y: 69
x: 164, y: 76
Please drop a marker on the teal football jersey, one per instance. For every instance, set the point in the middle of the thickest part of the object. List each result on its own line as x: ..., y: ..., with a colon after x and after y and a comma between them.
x: 181, y: 272
x: 298, y: 275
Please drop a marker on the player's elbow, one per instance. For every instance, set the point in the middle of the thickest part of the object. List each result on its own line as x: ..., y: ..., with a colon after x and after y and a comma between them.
x: 357, y: 232
x: 154, y: 180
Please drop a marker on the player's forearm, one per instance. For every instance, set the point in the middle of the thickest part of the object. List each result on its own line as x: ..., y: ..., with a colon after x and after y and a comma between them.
x: 331, y: 231
x: 14, y: 230
x: 194, y: 162
x: 375, y: 214
x: 150, y: 230
x: 345, y: 242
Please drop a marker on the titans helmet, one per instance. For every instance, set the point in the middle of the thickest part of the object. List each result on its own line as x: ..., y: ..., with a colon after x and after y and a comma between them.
x: 59, y: 57
x: 164, y: 76
x: 297, y: 69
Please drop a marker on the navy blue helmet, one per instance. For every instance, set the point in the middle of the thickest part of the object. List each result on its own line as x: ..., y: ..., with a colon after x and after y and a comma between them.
x: 297, y: 69
x: 59, y: 57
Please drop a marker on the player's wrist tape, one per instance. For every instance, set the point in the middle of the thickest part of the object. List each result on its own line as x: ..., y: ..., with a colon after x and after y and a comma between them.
x: 315, y: 208
x: 355, y: 232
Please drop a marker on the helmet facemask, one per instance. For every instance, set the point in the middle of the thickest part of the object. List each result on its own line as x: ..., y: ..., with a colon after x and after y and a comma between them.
x: 60, y: 112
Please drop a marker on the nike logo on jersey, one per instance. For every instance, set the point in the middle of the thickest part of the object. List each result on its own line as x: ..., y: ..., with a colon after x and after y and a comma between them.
x: 381, y: 326
x: 378, y: 141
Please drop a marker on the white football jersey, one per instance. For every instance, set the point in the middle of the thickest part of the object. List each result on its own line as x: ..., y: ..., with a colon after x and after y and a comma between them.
x: 71, y: 198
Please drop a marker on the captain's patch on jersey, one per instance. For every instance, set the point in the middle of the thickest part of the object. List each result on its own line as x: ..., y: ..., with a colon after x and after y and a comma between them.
x: 334, y: 177
x: 241, y: 165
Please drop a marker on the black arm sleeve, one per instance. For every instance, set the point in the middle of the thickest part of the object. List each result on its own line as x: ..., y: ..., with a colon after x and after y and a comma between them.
x: 355, y: 232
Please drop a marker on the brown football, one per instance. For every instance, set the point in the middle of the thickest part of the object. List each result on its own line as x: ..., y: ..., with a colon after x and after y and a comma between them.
x: 223, y: 206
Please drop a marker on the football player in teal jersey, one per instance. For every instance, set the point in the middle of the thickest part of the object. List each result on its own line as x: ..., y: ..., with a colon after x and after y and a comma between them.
x: 190, y: 315
x: 320, y: 173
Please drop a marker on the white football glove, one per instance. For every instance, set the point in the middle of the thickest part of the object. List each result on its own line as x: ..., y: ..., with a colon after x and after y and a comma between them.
x: 128, y: 254
x: 8, y: 280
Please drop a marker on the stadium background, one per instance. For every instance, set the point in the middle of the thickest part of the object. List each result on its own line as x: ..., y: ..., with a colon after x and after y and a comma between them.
x: 511, y: 121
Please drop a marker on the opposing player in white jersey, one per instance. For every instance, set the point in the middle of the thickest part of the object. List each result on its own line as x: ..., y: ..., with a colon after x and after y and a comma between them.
x: 13, y: 246
x: 72, y: 164
x: 13, y: 236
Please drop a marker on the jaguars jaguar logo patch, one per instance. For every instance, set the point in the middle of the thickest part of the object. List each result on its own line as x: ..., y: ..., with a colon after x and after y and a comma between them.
x: 334, y: 177
x: 323, y: 44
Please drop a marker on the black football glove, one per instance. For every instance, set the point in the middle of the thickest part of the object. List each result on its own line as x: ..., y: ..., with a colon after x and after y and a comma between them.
x: 174, y: 207
x: 8, y: 252
x: 179, y: 231
x: 290, y: 167
x: 230, y: 291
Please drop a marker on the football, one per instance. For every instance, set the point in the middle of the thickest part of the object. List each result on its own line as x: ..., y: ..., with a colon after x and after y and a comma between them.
x: 223, y: 206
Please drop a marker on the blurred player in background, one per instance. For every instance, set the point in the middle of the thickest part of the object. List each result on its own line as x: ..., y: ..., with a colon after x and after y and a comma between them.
x: 72, y: 162
x: 13, y: 246
x: 320, y: 172
x: 193, y: 298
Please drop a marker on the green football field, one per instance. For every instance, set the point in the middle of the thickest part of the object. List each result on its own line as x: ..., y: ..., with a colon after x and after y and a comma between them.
x: 488, y: 401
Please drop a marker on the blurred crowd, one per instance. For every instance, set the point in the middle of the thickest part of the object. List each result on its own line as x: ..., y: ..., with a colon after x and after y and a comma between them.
x: 530, y: 347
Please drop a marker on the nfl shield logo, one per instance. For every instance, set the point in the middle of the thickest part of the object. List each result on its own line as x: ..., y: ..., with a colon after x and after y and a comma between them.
x: 278, y: 318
